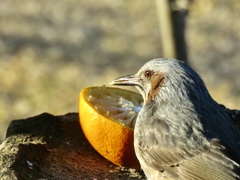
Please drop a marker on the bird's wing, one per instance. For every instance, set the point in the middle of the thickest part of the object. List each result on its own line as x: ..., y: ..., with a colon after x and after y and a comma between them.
x: 182, y: 158
x: 213, y: 164
x: 233, y: 114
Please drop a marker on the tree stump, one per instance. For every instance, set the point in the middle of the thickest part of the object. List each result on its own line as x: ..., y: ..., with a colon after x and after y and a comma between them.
x: 54, y: 147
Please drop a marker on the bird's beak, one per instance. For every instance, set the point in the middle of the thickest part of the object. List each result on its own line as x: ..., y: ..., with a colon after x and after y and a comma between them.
x: 129, y: 80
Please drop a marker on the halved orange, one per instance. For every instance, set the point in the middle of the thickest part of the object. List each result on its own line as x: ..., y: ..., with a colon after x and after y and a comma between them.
x: 107, y: 117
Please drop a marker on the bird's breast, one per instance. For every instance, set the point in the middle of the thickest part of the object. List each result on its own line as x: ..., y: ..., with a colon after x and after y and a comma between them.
x: 158, y: 127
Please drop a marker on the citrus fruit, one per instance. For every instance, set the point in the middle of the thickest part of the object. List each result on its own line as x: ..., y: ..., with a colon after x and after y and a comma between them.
x: 107, y: 117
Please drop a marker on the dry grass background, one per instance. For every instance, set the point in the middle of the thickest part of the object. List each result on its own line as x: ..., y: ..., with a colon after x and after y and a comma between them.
x: 50, y: 50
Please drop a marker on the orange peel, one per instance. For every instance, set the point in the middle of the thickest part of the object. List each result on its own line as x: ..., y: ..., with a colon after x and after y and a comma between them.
x: 107, y: 117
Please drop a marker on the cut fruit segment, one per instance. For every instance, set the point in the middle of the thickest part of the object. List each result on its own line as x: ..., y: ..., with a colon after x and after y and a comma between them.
x: 107, y: 117
x: 117, y: 105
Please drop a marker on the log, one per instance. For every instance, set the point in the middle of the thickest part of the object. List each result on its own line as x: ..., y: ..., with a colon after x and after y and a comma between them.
x: 54, y: 147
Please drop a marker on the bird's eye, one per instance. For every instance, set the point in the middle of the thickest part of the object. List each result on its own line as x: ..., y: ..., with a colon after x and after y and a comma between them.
x: 148, y: 74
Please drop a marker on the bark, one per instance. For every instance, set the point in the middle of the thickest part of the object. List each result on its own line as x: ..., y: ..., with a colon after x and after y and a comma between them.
x: 54, y: 147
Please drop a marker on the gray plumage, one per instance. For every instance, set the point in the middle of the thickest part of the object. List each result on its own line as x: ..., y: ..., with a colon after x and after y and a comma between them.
x: 181, y: 132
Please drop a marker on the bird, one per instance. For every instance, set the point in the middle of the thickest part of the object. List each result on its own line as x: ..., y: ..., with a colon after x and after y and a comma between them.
x: 234, y: 114
x: 181, y: 132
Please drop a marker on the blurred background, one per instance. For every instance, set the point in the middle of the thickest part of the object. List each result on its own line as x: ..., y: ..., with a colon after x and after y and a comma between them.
x: 51, y: 49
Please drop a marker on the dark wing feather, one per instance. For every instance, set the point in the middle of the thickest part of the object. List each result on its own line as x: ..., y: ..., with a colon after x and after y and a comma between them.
x: 233, y: 114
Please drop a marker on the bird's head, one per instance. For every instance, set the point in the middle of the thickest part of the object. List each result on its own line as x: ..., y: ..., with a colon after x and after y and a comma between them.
x: 162, y: 79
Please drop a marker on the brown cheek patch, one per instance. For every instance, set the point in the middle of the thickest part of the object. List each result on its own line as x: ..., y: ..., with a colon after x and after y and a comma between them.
x: 156, y: 83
